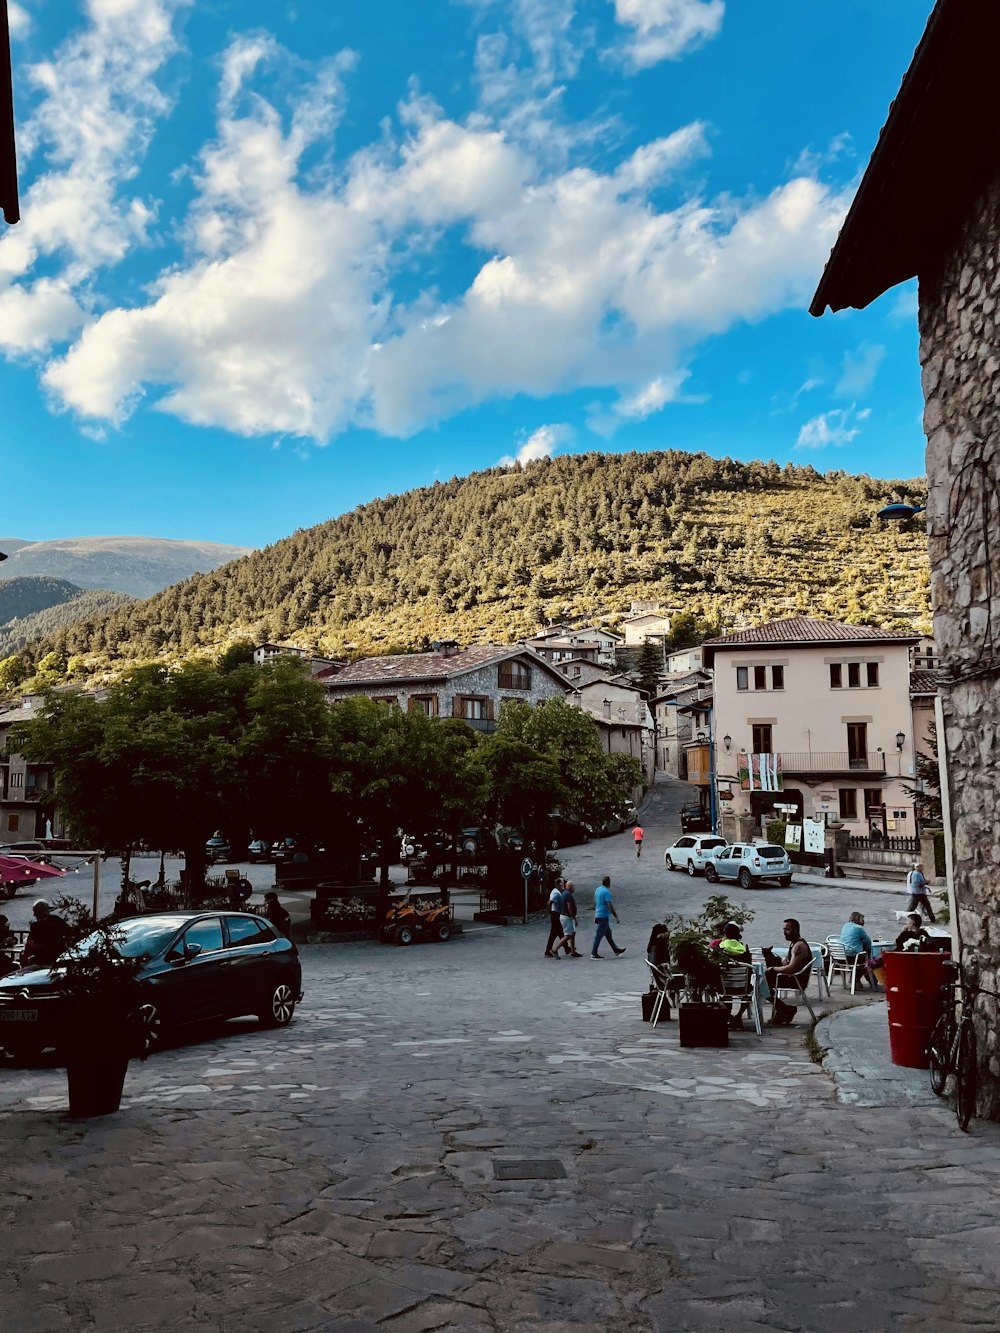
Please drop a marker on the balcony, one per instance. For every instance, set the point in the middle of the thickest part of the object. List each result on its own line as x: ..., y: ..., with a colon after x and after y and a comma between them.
x: 484, y: 724
x: 834, y: 763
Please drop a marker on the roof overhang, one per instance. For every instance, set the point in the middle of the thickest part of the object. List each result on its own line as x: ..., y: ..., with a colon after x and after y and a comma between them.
x: 8, y: 155
x: 936, y: 150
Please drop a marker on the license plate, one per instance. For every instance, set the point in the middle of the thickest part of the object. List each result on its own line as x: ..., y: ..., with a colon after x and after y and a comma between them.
x: 18, y: 1015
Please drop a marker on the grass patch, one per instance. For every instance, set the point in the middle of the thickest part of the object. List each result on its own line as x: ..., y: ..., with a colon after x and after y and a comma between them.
x: 817, y: 1052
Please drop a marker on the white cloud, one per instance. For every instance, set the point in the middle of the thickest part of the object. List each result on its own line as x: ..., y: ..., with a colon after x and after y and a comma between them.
x: 97, y: 110
x: 653, y: 163
x: 18, y: 18
x: 666, y: 29
x: 541, y: 443
x: 859, y: 370
x: 834, y: 428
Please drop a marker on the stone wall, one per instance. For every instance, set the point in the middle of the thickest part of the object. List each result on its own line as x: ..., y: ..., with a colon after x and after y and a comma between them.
x: 960, y: 355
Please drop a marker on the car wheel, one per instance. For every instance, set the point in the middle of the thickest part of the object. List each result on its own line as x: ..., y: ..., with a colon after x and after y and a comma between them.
x: 669, y: 863
x: 279, y: 1012
x: 444, y: 932
x: 690, y: 868
x: 711, y: 874
x: 745, y: 878
x: 151, y: 1027
x: 404, y: 935
x: 785, y: 881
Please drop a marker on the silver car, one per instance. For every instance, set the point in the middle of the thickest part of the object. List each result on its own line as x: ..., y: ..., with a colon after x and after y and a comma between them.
x: 749, y: 864
x: 692, y: 852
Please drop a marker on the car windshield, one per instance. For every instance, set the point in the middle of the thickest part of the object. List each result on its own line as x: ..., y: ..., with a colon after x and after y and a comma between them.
x: 770, y: 850
x: 140, y: 938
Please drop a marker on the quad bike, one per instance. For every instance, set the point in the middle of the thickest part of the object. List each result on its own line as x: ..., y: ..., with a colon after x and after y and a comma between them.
x: 408, y: 922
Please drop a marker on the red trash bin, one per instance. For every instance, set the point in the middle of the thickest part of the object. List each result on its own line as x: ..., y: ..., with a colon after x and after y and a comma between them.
x: 913, y: 984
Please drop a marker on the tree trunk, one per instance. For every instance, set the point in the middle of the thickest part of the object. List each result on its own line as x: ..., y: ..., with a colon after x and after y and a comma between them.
x: 126, y: 866
x: 193, y: 875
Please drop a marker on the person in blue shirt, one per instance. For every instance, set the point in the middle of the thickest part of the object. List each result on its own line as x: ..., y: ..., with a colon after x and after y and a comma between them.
x: 855, y: 940
x: 604, y: 910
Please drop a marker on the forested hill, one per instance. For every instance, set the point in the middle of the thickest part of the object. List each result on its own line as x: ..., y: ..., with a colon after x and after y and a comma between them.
x: 492, y: 554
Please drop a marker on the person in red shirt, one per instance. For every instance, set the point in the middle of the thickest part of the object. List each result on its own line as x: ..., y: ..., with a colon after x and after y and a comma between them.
x: 637, y: 836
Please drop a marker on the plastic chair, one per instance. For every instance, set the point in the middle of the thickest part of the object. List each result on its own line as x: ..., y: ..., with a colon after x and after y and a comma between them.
x: 740, y: 983
x: 793, y: 989
x: 821, y: 955
x: 660, y: 981
x: 839, y: 964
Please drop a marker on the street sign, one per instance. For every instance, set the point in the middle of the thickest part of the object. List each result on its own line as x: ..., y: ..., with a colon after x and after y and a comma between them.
x: 527, y: 866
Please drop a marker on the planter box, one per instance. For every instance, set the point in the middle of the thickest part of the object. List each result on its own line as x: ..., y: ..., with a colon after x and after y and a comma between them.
x: 703, y: 1025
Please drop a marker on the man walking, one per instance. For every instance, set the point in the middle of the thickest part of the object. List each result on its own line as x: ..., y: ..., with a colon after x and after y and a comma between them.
x: 555, y: 940
x: 568, y: 920
x: 604, y: 909
x: 916, y: 882
x: 637, y: 836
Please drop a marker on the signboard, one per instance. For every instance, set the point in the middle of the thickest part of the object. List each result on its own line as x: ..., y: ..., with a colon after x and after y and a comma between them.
x: 760, y: 772
x: 793, y: 837
x: 814, y: 836
x: 527, y: 866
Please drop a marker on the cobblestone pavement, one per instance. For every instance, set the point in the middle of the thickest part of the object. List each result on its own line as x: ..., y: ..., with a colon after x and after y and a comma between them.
x: 469, y: 1137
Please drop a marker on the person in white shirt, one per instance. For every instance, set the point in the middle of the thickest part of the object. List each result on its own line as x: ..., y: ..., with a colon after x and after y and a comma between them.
x: 916, y: 882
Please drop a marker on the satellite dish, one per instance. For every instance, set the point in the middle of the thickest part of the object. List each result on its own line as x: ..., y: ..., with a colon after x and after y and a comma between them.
x: 899, y: 510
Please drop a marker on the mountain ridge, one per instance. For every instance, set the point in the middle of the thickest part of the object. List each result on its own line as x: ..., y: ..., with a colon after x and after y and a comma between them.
x: 139, y: 566
x: 495, y: 553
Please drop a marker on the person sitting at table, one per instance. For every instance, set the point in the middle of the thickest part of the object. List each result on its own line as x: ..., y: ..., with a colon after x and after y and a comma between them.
x: 8, y: 940
x: 731, y: 949
x: 913, y: 937
x: 856, y: 940
x: 658, y: 947
x: 787, y: 974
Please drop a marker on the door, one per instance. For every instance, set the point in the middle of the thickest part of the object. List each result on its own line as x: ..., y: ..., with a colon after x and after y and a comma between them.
x: 197, y: 985
x: 729, y: 862
x: 857, y: 744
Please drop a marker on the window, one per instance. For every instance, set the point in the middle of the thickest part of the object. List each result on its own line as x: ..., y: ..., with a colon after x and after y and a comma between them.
x: 516, y: 676
x: 13, y: 823
x: 389, y: 699
x: 872, y: 670
x: 473, y: 709
x: 836, y: 678
x: 873, y: 802
x: 742, y: 678
x: 854, y: 675
x: 762, y: 740
x: 207, y: 933
x: 424, y: 703
x: 848, y: 803
x: 777, y: 678
x: 243, y: 930
x: 760, y: 678
x: 857, y: 744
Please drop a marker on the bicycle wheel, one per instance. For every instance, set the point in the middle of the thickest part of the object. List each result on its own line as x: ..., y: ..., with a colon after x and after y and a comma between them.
x: 966, y: 1075
x: 938, y: 1051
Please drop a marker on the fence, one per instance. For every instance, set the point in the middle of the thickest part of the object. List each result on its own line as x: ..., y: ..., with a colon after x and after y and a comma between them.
x: 890, y: 843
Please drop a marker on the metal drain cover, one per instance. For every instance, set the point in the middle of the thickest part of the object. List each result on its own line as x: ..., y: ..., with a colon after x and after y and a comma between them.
x: 545, y: 1168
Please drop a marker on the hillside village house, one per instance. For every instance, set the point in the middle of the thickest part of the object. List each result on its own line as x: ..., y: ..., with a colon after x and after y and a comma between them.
x: 621, y: 712
x: 817, y: 714
x: 560, y: 643
x: 581, y: 671
x: 27, y: 796
x: 467, y: 683
x: 648, y: 626
x: 674, y: 720
x: 929, y: 206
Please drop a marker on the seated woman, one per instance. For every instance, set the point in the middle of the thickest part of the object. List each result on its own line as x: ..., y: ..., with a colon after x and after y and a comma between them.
x: 658, y: 953
x: 913, y: 938
x: 856, y: 940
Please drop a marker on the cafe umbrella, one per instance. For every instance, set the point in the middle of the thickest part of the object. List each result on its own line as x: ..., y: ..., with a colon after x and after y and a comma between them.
x: 15, y: 871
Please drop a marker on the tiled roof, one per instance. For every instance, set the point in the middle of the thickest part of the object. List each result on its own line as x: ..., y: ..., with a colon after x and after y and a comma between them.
x: 427, y: 666
x: 923, y: 682
x: 803, y: 630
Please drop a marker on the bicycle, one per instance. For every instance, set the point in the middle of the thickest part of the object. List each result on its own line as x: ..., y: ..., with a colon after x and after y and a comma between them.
x: 952, y: 1047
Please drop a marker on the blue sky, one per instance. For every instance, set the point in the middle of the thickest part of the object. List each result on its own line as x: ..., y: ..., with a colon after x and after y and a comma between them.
x: 279, y: 258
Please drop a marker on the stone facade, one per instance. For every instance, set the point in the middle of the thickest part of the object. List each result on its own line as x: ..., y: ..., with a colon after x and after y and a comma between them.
x: 960, y: 356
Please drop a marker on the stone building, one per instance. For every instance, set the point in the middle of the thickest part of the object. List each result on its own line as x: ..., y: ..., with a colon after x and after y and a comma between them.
x: 929, y: 206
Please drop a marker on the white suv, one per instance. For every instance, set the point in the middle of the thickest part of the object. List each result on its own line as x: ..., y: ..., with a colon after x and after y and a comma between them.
x: 691, y: 852
x: 749, y: 864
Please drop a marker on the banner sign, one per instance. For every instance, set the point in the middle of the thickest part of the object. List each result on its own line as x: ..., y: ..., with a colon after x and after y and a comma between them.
x: 760, y: 772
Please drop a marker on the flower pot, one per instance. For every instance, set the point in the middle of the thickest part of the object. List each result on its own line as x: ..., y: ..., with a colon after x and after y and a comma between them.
x: 95, y: 1084
x: 703, y: 1025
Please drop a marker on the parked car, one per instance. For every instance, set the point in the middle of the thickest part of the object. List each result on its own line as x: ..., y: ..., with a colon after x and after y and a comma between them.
x: 749, y: 864
x: 694, y: 819
x: 631, y: 814
x: 283, y: 849
x: 692, y: 852
x: 258, y: 850
x: 568, y: 832
x: 195, y: 966
x: 218, y: 850
x: 611, y: 826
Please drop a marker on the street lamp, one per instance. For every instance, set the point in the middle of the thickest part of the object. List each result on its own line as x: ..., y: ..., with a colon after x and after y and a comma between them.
x: 727, y: 742
x: 900, y: 740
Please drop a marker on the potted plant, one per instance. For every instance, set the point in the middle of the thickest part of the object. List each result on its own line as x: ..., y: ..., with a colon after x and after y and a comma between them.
x: 101, y: 1029
x: 702, y: 1019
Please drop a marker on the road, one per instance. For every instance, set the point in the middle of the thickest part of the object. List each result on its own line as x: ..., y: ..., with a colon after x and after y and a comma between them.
x: 366, y: 1169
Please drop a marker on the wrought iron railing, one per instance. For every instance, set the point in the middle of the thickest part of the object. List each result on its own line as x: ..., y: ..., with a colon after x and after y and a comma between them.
x: 833, y: 761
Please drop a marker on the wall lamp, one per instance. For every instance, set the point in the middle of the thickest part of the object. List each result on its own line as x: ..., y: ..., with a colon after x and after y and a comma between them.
x: 900, y: 740
x: 727, y: 742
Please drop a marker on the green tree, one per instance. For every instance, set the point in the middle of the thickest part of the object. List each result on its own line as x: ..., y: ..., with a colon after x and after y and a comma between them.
x: 649, y: 668
x: 524, y: 786
x: 926, y: 792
